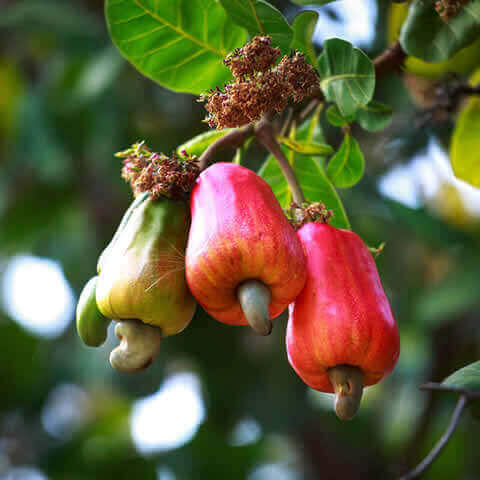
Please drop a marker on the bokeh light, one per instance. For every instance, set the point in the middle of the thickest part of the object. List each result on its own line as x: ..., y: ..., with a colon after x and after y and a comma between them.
x: 351, y: 20
x: 170, y: 417
x: 37, y: 295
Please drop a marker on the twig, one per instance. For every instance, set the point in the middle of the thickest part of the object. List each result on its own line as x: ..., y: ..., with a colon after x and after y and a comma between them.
x: 449, y: 388
x: 428, y: 460
x: 234, y: 139
x: 266, y: 136
x: 390, y: 60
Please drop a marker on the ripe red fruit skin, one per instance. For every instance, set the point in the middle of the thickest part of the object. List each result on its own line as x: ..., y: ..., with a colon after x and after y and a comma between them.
x: 239, y: 232
x: 342, y: 316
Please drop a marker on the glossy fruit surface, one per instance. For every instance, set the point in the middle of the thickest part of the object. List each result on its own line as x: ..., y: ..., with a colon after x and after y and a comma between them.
x: 142, y: 273
x: 342, y: 316
x: 239, y: 233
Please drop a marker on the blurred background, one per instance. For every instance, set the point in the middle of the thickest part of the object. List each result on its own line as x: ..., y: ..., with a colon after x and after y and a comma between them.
x: 219, y: 402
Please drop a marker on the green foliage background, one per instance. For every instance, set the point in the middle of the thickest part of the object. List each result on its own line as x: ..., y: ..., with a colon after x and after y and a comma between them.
x: 68, y: 101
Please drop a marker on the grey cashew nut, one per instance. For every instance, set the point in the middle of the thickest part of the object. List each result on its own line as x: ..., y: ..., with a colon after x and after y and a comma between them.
x: 139, y: 345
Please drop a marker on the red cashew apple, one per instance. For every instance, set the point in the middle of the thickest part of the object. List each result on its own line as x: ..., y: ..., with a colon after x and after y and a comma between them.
x: 244, y: 262
x: 341, y: 333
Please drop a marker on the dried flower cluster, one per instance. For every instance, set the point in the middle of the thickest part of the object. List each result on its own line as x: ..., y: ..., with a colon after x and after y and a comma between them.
x: 147, y: 171
x: 448, y: 9
x: 259, y: 86
x: 299, y: 215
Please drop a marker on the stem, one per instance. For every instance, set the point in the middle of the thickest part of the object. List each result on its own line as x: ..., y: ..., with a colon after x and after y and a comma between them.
x: 428, y: 460
x: 266, y: 136
x: 234, y: 139
x: 390, y: 60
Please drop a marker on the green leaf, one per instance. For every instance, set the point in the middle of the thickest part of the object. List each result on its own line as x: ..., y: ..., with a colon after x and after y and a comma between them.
x: 197, y: 145
x: 467, y: 377
x: 306, y: 148
x: 465, y: 143
x: 178, y: 44
x: 309, y: 170
x: 261, y: 18
x: 336, y: 118
x: 374, y: 116
x: 346, y: 167
x: 426, y: 36
x: 347, y: 75
x: 303, y: 28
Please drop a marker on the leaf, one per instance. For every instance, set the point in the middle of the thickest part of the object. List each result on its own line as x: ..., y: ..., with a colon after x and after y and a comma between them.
x: 336, y: 118
x: 197, y: 145
x: 347, y: 75
x: 463, y: 62
x: 467, y: 377
x: 346, y: 167
x: 261, y: 18
x: 374, y: 116
x: 465, y: 143
x: 309, y: 170
x: 306, y: 148
x: 426, y: 36
x: 178, y: 44
x: 303, y: 28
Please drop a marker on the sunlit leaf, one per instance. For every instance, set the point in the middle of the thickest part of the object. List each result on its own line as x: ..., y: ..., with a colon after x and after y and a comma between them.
x: 197, y: 145
x: 374, y: 116
x: 306, y: 148
x: 427, y: 36
x: 465, y: 143
x: 178, y: 44
x: 346, y: 167
x: 309, y: 170
x: 336, y: 118
x: 347, y: 75
x: 303, y: 28
x: 261, y: 18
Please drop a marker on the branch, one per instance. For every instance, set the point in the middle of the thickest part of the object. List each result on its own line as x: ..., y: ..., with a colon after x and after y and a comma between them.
x: 470, y: 394
x: 390, y: 60
x: 234, y: 139
x: 266, y: 136
x: 428, y: 460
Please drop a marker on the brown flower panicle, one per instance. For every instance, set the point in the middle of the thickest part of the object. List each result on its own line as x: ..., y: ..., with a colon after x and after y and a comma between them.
x: 147, y: 171
x: 259, y: 86
x: 448, y: 9
x: 300, y: 215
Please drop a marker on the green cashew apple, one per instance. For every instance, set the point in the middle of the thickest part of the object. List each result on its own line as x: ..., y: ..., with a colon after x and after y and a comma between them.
x: 142, y: 278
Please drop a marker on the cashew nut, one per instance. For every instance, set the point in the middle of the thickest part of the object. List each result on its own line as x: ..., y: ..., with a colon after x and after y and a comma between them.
x: 254, y: 298
x: 347, y: 382
x: 139, y: 345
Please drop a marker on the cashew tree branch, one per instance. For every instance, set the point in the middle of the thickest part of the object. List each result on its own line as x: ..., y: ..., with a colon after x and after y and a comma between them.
x: 428, y: 460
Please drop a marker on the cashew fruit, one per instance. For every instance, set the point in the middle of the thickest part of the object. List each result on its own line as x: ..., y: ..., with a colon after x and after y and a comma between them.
x: 142, y: 273
x: 341, y: 333
x: 244, y: 262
